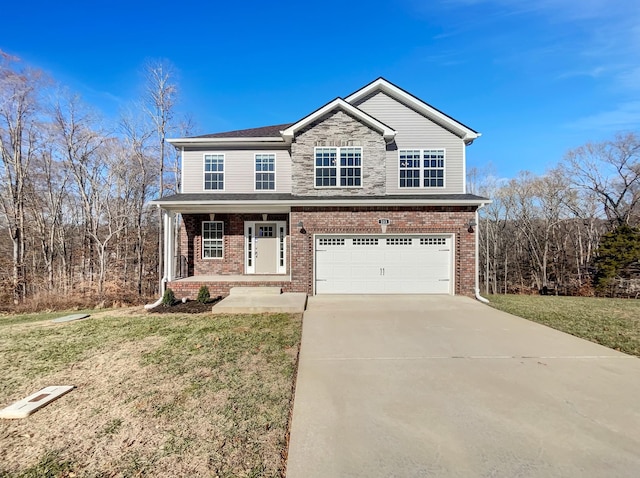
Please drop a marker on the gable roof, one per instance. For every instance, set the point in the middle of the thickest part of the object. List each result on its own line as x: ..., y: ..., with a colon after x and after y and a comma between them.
x: 387, y: 132
x: 425, y: 109
x: 284, y: 133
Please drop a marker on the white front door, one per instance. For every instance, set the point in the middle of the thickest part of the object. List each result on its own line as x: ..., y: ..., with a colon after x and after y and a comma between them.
x: 265, y: 247
x: 384, y: 264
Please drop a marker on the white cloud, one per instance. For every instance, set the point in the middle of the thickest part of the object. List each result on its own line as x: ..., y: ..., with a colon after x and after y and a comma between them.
x: 594, y: 72
x: 625, y: 116
x: 630, y: 78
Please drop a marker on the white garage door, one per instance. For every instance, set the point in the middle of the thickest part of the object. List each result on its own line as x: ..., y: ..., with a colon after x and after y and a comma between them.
x: 384, y: 265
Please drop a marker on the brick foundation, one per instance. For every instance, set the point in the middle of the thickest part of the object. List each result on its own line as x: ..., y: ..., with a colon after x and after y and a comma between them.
x: 190, y: 289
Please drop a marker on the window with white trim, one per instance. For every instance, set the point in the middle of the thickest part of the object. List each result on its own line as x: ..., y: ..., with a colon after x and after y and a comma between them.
x: 409, y: 168
x: 265, y: 165
x: 212, y: 239
x: 338, y: 167
x: 433, y: 162
x: 421, y: 168
x: 214, y: 171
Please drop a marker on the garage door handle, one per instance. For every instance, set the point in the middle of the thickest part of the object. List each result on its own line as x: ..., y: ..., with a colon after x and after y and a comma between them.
x: 443, y: 280
x: 382, y: 271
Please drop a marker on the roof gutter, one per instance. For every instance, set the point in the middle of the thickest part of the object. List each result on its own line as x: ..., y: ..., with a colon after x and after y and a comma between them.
x: 182, y: 142
x: 284, y: 206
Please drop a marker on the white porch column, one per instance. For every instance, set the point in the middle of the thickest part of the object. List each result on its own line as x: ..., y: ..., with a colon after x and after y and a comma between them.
x: 169, y: 246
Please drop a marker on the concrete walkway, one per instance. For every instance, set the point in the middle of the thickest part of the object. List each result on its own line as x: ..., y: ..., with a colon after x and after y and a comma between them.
x: 257, y: 300
x: 442, y: 386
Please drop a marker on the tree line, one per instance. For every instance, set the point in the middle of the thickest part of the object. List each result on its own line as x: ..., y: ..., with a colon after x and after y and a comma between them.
x: 74, y: 188
x: 74, y: 193
x: 573, y: 230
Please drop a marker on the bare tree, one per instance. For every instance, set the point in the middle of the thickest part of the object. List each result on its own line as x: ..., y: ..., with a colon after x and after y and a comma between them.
x: 19, y: 142
x: 159, y: 102
x: 47, y: 193
x: 138, y: 154
x: 83, y: 148
x: 611, y: 170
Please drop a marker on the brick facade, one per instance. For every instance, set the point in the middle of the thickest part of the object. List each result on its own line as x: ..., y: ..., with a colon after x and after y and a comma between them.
x: 232, y: 262
x: 364, y: 220
x: 300, y: 246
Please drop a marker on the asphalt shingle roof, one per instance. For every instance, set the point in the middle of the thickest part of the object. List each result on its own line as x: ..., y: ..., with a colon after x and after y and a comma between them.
x: 262, y: 132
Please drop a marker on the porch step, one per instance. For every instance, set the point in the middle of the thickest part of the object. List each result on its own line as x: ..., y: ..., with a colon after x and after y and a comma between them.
x: 258, y: 290
x: 289, y: 302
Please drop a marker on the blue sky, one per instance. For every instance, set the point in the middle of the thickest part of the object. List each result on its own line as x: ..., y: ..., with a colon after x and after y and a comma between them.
x: 536, y: 78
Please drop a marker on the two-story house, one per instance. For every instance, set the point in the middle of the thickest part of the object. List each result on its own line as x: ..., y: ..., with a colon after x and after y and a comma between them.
x: 365, y: 195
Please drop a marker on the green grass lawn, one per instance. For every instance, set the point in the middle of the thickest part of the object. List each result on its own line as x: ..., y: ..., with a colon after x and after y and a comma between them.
x: 157, y: 395
x: 614, y: 323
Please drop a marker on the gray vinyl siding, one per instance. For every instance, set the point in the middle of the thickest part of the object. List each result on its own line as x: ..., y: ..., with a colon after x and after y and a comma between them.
x: 414, y: 131
x: 239, y: 170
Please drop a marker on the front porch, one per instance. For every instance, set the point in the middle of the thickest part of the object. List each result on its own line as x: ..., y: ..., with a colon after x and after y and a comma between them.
x: 221, y: 284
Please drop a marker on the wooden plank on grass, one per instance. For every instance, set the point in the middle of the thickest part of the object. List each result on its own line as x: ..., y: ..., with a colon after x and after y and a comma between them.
x: 25, y: 407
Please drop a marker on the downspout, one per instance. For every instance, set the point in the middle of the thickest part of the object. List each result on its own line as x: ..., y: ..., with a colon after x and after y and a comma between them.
x: 164, y: 280
x: 478, y: 296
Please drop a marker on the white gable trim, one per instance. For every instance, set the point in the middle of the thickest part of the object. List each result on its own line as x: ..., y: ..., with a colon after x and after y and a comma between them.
x: 464, y: 132
x: 339, y: 103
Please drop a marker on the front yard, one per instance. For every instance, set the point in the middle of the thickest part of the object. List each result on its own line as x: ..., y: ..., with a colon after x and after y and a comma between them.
x: 614, y: 323
x: 157, y: 395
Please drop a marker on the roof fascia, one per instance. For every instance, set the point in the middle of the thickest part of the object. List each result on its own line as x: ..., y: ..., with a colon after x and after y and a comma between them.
x: 466, y: 133
x: 246, y: 141
x: 387, y: 132
x: 282, y: 206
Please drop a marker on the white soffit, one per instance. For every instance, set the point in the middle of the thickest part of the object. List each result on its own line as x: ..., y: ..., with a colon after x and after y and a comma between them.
x: 245, y: 141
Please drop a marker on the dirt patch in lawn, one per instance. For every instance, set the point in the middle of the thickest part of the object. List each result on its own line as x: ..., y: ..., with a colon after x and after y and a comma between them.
x: 156, y: 396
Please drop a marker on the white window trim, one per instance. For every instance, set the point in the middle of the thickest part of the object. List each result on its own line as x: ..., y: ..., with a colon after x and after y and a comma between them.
x: 275, y: 185
x: 202, y: 239
x: 422, y: 168
x: 337, y: 166
x: 204, y: 172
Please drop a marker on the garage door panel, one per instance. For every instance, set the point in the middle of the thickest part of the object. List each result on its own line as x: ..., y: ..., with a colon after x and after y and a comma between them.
x: 392, y: 265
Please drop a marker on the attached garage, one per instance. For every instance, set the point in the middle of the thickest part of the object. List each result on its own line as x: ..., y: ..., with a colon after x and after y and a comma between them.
x: 371, y: 264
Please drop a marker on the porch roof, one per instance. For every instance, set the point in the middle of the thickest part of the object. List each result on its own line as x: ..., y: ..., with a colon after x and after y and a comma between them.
x: 281, y: 203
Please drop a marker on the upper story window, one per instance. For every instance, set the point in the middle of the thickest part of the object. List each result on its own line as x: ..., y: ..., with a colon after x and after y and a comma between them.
x: 212, y: 239
x: 338, y: 167
x: 265, y: 172
x: 421, y: 168
x: 214, y: 171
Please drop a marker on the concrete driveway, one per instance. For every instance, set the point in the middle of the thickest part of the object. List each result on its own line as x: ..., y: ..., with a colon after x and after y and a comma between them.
x: 416, y: 386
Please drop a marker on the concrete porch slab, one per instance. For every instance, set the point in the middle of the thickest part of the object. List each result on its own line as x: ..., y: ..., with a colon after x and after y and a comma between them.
x: 289, y: 302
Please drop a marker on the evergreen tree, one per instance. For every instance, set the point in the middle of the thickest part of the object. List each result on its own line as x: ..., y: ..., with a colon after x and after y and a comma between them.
x: 618, y: 250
